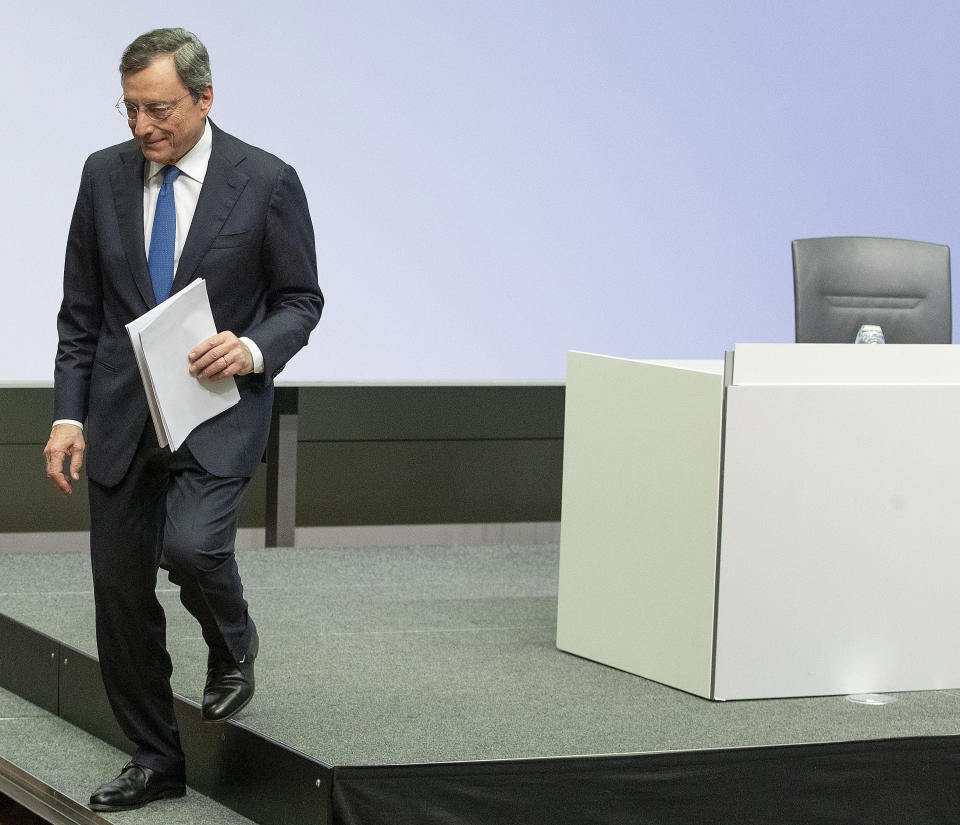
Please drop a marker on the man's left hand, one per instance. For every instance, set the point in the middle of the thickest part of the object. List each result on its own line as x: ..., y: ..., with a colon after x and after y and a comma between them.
x: 219, y: 357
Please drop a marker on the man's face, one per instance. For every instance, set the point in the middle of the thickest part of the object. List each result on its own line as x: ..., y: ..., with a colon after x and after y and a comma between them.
x: 165, y: 141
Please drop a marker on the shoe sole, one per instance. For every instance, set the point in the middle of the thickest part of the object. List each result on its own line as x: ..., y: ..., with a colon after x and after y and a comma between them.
x: 170, y: 793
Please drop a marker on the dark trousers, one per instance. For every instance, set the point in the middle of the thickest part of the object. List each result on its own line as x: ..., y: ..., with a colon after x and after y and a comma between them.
x: 169, y: 513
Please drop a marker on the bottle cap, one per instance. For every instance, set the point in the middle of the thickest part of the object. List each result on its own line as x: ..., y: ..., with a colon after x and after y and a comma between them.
x: 869, y: 334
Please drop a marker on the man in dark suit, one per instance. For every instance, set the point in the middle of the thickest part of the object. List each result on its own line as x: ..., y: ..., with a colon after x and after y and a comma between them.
x: 238, y: 219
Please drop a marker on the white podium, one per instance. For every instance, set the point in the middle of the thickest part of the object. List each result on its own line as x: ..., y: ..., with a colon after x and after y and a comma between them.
x: 782, y: 523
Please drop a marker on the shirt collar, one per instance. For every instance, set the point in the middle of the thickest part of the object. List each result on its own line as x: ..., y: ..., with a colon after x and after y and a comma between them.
x: 194, y: 163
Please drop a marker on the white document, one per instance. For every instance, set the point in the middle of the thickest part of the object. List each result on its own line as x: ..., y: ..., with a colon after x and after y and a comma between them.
x: 161, y: 339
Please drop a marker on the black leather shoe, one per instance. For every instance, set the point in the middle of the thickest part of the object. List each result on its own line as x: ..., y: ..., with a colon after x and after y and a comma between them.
x: 230, y: 684
x: 135, y: 787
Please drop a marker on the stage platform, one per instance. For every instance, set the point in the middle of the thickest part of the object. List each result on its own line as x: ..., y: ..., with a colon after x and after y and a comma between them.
x: 422, y: 685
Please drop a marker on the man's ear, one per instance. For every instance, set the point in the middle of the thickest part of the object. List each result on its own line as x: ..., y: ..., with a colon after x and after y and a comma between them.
x: 206, y: 99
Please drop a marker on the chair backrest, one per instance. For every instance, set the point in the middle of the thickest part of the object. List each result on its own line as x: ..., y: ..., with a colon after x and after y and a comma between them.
x: 842, y: 283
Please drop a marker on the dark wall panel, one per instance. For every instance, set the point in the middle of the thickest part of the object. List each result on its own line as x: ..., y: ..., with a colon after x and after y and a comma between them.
x: 25, y: 413
x: 28, y: 503
x: 367, y: 455
x: 428, y: 482
x: 400, y: 413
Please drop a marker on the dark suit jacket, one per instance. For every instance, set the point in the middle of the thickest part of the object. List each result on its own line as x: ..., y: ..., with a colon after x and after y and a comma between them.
x: 251, y: 239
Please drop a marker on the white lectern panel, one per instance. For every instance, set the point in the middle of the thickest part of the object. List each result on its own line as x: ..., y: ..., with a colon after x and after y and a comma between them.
x: 846, y: 365
x: 839, y: 556
x: 641, y: 466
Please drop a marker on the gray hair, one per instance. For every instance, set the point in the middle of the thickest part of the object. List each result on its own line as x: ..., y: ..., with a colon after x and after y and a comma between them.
x: 189, y: 57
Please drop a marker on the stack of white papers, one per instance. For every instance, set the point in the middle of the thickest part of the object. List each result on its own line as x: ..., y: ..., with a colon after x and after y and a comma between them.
x: 161, y: 339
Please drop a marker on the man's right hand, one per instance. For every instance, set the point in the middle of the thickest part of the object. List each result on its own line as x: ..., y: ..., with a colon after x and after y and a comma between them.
x: 65, y: 440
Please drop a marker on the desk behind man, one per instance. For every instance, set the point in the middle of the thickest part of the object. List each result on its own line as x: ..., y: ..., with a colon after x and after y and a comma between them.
x: 180, y: 201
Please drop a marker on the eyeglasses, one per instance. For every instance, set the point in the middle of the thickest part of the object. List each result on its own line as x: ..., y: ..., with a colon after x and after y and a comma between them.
x: 154, y: 111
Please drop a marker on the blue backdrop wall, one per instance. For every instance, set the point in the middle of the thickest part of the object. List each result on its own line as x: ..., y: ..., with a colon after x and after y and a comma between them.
x: 494, y: 183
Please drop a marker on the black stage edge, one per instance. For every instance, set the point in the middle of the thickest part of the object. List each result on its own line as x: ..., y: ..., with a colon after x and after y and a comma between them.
x: 886, y: 782
x: 251, y: 774
x: 25, y: 799
x: 29, y: 664
x: 878, y: 782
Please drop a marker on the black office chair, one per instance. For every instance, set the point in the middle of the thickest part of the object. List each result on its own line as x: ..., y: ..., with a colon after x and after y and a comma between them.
x: 842, y: 283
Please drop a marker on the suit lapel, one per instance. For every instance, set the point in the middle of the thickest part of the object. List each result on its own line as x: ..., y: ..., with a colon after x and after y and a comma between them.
x: 127, y: 184
x: 222, y: 186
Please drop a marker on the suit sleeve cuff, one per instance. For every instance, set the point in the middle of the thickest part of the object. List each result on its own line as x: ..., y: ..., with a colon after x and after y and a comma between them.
x: 255, y: 353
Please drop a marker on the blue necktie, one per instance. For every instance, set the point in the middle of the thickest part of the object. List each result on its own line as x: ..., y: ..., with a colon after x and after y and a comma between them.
x: 164, y: 237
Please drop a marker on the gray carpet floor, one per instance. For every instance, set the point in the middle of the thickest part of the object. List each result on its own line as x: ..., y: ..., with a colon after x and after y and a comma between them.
x: 75, y: 763
x: 424, y: 654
